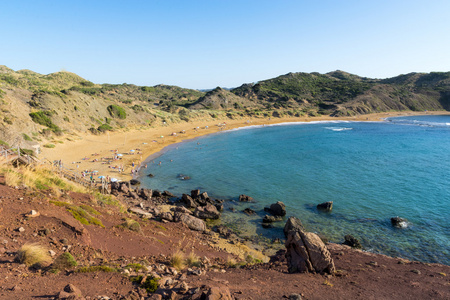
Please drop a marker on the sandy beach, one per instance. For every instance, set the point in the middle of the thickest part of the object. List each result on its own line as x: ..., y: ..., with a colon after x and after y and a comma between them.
x: 85, y: 151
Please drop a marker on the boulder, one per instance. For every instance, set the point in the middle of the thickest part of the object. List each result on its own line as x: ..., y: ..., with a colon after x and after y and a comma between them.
x: 157, y: 194
x: 188, y: 201
x: 146, y: 194
x: 305, y: 251
x: 195, y: 193
x: 134, y: 182
x: 124, y: 188
x: 212, y: 293
x: 207, y: 212
x: 399, y: 222
x: 223, y: 231
x: 166, y: 216
x: 326, y: 206
x: 168, y: 194
x: 351, y: 241
x: 115, y: 185
x: 139, y: 211
x: 245, y: 198
x: 271, y: 219
x: 277, y: 209
x: 192, y: 222
x: 70, y: 292
x: 292, y: 224
x: 249, y: 211
x: 204, y: 196
x: 133, y: 195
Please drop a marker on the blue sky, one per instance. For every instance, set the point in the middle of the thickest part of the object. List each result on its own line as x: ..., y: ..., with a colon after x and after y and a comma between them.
x: 204, y: 44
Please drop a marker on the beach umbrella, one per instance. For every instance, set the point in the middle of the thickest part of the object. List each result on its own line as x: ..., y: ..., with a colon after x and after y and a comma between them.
x: 114, y: 179
x: 101, y: 177
x: 131, y: 150
x: 119, y: 154
x: 95, y: 171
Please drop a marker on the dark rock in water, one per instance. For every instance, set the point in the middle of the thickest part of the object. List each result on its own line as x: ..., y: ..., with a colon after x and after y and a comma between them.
x: 351, y: 241
x: 277, y: 209
x: 134, y: 182
x: 233, y: 209
x: 151, y: 175
x: 399, y: 222
x: 207, y: 212
x: 188, y: 201
x: 168, y: 194
x: 195, y: 193
x: 326, y: 206
x: 271, y: 219
x: 245, y: 198
x: 249, y: 211
x: 219, y: 206
x: 157, y: 194
x: 183, y: 177
x: 305, y: 251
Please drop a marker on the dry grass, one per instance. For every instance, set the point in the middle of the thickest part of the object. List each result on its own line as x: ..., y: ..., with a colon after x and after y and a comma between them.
x: 192, y: 260
x: 40, y: 178
x: 33, y: 254
x: 177, y: 260
x: 231, y: 262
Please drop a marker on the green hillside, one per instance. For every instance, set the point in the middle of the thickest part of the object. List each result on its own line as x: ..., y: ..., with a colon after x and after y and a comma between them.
x: 38, y: 108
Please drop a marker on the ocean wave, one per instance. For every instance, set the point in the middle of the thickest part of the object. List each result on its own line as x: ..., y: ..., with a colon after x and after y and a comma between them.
x: 338, y: 128
x: 418, y: 123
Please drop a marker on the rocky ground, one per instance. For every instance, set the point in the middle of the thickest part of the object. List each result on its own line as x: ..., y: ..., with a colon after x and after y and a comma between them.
x: 113, y: 260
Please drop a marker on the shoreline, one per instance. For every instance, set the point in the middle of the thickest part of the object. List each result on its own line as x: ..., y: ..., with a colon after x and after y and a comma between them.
x: 84, y: 151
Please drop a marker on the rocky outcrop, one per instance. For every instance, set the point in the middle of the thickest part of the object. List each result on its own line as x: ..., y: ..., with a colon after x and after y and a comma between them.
x: 191, y: 221
x: 326, y: 206
x: 245, y: 198
x: 305, y: 251
x: 271, y: 219
x: 277, y: 209
x: 249, y: 211
x: 207, y: 212
x: 399, y: 222
x: 351, y: 241
x: 70, y: 292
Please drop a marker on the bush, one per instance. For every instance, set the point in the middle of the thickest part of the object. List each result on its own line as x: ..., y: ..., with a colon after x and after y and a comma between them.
x: 177, y: 260
x: 116, y: 111
x: 33, y: 255
x: 49, y: 146
x: 42, y: 118
x: 150, y: 284
x: 64, y: 261
x: 26, y: 137
x: 104, y: 128
x: 130, y: 224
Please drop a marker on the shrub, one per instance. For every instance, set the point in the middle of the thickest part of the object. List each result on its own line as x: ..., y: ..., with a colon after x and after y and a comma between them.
x: 150, y: 284
x: 192, y: 260
x: 49, y: 146
x: 104, y: 128
x: 26, y: 137
x: 64, y: 261
x: 130, y: 224
x: 90, y: 269
x: 33, y: 254
x: 116, y: 111
x: 177, y: 260
x: 43, y: 118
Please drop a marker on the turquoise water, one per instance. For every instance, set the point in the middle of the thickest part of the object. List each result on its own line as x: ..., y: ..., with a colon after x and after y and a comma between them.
x: 372, y: 171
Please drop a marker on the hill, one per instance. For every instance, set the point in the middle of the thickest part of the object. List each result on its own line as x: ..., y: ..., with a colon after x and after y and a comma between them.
x: 37, y: 108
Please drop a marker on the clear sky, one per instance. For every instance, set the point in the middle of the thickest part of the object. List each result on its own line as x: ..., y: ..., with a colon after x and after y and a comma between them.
x: 209, y: 43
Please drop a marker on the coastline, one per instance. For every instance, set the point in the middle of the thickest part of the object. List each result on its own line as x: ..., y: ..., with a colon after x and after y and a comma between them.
x: 85, y: 151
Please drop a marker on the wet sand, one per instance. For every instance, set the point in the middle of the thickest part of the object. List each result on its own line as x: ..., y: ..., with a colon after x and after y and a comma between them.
x: 89, y: 152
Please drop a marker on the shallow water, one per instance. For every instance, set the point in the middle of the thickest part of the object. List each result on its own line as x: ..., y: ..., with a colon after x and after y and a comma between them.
x: 372, y: 171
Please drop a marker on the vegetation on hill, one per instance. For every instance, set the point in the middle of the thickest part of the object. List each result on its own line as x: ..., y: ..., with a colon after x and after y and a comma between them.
x: 37, y: 106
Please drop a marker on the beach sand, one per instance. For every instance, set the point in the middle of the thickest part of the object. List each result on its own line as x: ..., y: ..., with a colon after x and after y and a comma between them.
x: 84, y: 151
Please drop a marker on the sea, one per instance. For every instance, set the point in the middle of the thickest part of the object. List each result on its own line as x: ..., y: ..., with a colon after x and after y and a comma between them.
x: 372, y: 171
